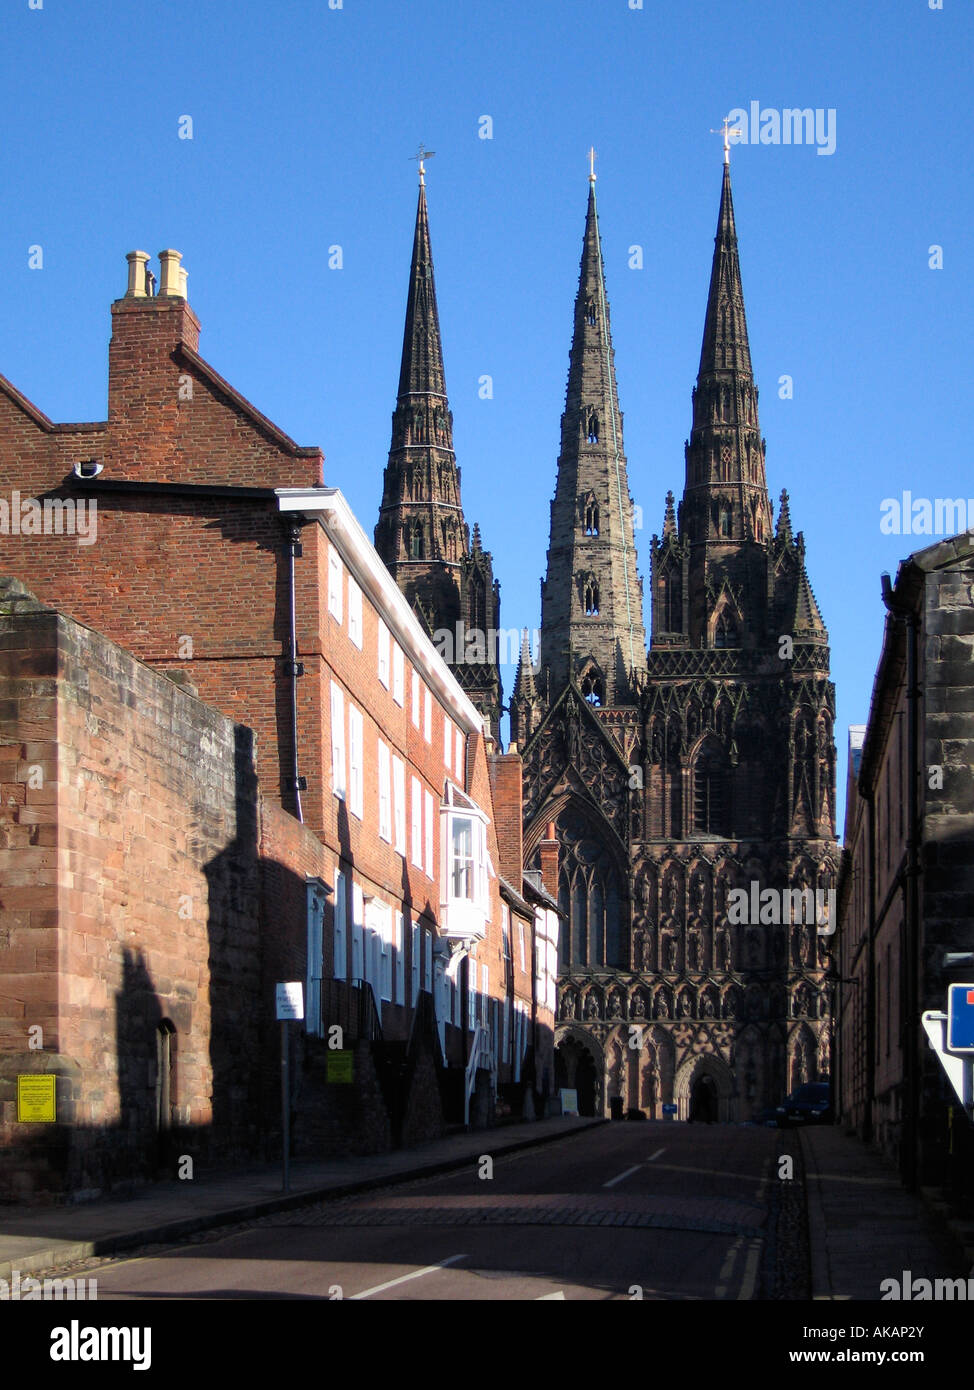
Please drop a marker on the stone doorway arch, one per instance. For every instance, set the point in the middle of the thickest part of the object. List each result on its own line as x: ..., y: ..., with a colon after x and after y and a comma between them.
x: 708, y: 1080
x: 580, y: 1066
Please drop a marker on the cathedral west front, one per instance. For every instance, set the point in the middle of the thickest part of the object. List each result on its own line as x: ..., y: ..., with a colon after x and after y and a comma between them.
x: 681, y: 776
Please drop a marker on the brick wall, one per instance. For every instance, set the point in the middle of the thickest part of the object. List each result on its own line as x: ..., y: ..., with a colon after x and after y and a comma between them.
x: 129, y: 903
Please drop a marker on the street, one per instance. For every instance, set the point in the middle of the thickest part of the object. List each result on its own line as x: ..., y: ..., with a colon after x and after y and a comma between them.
x: 654, y: 1211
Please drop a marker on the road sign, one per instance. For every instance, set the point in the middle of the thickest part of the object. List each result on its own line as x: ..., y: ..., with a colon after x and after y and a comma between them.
x: 290, y: 1001
x: 960, y: 1018
x: 36, y: 1099
x: 669, y: 1108
x: 339, y: 1066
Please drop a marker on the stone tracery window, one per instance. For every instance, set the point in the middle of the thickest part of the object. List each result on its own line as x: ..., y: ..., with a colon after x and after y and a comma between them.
x: 710, y: 791
x: 592, y: 688
x: 589, y: 891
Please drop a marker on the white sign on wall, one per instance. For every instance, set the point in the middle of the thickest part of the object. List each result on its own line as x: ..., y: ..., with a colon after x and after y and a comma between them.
x: 290, y: 1001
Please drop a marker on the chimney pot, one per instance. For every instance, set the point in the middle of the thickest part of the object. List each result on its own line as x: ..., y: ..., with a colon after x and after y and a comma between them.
x: 138, y: 260
x: 169, y: 277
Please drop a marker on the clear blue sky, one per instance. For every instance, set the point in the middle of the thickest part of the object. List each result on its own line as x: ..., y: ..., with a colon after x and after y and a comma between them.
x: 304, y: 118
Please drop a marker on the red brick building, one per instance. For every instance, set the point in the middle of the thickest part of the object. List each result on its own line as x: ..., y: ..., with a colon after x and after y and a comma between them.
x: 199, y: 547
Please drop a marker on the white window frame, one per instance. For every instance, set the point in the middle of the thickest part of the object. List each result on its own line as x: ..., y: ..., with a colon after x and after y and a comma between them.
x: 339, y: 939
x: 460, y: 769
x: 398, y: 675
x: 382, y: 655
x: 359, y: 963
x: 428, y: 838
x: 385, y: 793
x: 399, y: 994
x: 427, y: 960
x: 447, y: 743
x: 399, y: 803
x: 415, y: 963
x: 520, y: 941
x: 315, y: 959
x: 415, y: 699
x: 417, y: 823
x: 427, y: 716
x: 339, y: 771
x: 356, y: 761
x: 354, y: 612
x: 335, y: 572
x: 385, y: 971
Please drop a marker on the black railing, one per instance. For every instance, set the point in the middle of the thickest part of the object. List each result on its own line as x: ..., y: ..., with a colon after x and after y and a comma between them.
x: 351, y: 1005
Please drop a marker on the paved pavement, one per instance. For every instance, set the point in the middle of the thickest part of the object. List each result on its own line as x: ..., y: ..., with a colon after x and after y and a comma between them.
x: 863, y: 1225
x: 714, y: 1189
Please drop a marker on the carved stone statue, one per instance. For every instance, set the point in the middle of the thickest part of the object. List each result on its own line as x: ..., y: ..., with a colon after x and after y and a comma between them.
x: 708, y: 1006
x: 615, y: 1010
x: 568, y: 1006
x: 686, y: 1005
x: 671, y: 953
x: 639, y: 1007
x: 591, y: 1007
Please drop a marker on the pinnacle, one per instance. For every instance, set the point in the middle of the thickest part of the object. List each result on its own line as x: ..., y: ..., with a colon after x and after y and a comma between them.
x: 524, y: 687
x: 783, y: 531
x: 669, y: 519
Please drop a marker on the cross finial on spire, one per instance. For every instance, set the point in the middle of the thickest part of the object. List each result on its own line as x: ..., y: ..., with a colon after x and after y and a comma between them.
x: 591, y: 165
x: 727, y: 129
x: 423, y: 153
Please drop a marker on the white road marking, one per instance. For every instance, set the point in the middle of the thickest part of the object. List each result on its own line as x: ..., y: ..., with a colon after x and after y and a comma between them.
x: 629, y: 1171
x: 543, y: 1297
x: 655, y: 1155
x: 750, y: 1270
x: 727, y: 1269
x: 405, y: 1278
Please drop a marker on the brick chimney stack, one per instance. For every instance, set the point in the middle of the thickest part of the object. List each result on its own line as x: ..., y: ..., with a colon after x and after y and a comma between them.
x: 144, y: 371
x: 548, y: 849
x: 505, y: 781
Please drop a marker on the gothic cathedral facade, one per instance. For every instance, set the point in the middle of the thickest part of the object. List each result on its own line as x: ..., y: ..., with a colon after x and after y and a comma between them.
x: 685, y: 781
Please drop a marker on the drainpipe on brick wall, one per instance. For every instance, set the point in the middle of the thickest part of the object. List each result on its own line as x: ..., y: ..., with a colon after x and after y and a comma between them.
x: 295, y: 668
x: 903, y: 611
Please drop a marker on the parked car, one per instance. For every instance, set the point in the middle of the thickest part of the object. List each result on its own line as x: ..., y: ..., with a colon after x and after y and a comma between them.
x: 810, y: 1104
x: 767, y: 1117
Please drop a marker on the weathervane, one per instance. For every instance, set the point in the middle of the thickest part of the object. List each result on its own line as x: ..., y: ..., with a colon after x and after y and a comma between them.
x: 591, y: 165
x: 726, y: 130
x: 422, y: 154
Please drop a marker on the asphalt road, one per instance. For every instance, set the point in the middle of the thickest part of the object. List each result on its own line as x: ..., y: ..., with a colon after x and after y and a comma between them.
x: 654, y: 1210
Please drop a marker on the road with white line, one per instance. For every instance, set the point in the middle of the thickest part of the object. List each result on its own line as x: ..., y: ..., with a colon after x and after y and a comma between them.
x: 654, y: 1211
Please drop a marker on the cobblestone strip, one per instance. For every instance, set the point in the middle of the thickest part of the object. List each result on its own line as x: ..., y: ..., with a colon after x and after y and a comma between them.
x: 786, y: 1271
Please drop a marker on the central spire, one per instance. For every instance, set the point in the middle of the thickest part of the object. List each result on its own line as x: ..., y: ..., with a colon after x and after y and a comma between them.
x: 591, y: 610
x: 726, y: 494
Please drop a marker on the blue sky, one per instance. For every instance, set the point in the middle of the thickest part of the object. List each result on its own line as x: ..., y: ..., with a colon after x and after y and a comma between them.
x: 304, y: 119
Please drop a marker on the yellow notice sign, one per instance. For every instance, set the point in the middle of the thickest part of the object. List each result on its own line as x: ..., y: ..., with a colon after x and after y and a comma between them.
x: 36, y: 1099
x: 339, y: 1066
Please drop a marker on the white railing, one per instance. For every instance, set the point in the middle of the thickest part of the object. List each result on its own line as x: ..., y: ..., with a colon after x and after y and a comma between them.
x: 481, y: 1054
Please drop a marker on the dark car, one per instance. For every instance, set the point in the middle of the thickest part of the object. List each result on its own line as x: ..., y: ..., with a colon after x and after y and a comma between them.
x: 810, y: 1104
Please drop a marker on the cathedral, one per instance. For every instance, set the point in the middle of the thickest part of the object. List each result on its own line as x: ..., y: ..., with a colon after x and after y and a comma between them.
x: 670, y: 775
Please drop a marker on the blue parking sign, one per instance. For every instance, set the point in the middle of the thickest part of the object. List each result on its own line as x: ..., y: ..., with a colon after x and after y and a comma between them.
x: 960, y: 1018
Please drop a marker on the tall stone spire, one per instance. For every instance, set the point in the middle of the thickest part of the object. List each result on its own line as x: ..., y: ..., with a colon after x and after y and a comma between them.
x: 591, y: 602
x: 421, y: 534
x: 726, y: 494
x: 725, y: 521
